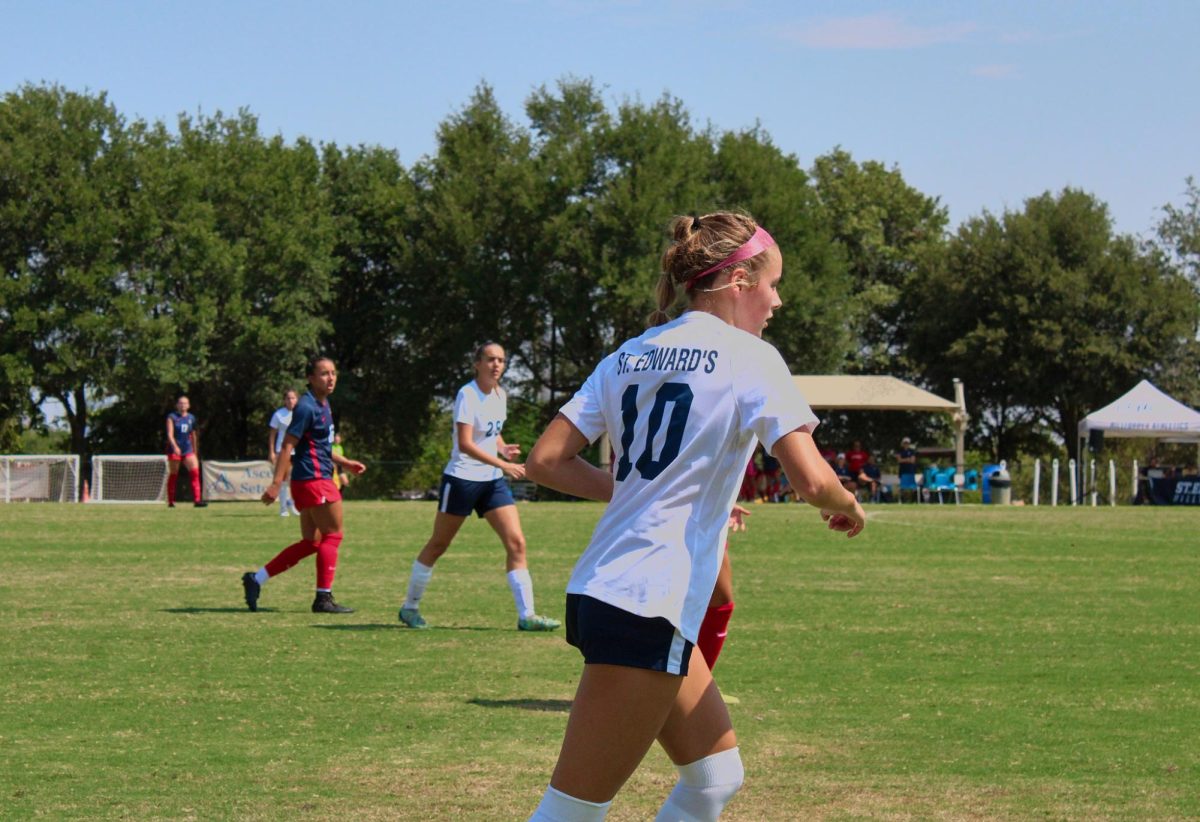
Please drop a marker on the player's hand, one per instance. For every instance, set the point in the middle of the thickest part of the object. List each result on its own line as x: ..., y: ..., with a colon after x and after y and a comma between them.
x: 737, y: 517
x: 851, y: 523
x: 511, y: 451
x: 271, y: 494
x: 175, y: 448
x: 354, y: 466
x: 514, y: 470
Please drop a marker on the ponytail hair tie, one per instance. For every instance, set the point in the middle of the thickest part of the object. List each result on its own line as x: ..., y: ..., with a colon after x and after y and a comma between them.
x: 695, y: 222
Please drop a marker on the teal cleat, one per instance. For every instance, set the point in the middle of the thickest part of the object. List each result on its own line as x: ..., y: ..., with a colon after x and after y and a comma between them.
x: 412, y: 618
x: 537, y: 623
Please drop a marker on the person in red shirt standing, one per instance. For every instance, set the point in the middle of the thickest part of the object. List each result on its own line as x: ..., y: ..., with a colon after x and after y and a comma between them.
x: 857, y: 457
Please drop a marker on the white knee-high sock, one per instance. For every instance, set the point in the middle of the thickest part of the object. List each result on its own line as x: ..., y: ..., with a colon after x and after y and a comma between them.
x: 417, y: 581
x: 557, y: 806
x: 704, y: 788
x: 521, y: 584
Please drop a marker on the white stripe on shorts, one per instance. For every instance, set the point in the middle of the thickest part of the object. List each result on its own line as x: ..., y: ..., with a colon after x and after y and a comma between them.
x: 675, y: 658
x: 445, y: 497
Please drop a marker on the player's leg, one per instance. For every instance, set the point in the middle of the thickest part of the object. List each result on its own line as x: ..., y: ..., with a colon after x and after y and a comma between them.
x: 445, y: 527
x: 325, y: 521
x: 715, y: 627
x: 172, y: 478
x: 699, y: 738
x: 634, y: 668
x: 506, y: 522
x: 614, y: 720
x: 193, y: 466
x: 309, y: 538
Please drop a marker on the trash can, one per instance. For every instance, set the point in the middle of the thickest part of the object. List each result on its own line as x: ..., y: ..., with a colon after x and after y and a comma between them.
x: 1001, y: 484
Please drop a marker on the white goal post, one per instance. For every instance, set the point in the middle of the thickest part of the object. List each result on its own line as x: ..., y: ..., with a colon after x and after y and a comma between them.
x: 129, y: 478
x: 39, y: 477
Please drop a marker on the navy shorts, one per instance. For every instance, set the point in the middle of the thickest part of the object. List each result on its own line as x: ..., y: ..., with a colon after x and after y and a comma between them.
x: 608, y: 635
x: 460, y: 497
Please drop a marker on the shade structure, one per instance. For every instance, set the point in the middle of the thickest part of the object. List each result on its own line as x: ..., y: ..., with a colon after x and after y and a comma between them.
x: 855, y: 392
x: 868, y: 393
x: 1145, y: 411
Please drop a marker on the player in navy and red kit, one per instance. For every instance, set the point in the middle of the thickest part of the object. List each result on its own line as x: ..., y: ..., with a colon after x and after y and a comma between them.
x: 182, y: 447
x: 308, y: 451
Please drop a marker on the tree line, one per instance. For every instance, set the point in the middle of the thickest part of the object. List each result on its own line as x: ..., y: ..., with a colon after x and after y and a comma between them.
x: 142, y: 259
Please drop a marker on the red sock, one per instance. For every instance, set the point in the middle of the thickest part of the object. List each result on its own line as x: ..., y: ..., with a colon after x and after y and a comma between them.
x: 171, y: 480
x: 196, y: 485
x: 290, y: 555
x: 327, y: 553
x: 713, y: 631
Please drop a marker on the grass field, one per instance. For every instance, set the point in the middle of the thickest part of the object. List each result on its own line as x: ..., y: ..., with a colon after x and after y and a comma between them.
x: 951, y: 663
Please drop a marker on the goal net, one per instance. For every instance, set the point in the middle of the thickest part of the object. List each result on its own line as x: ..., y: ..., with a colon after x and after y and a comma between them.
x: 123, y: 478
x: 39, y: 478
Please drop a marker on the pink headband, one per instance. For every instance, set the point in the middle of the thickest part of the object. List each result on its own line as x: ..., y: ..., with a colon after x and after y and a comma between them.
x: 756, y: 245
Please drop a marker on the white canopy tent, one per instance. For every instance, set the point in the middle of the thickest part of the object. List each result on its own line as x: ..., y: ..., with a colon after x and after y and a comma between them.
x: 1144, y: 412
x: 881, y: 393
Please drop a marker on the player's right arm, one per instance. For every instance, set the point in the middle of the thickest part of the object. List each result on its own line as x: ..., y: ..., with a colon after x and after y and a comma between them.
x: 271, y: 436
x: 283, y: 464
x: 555, y: 463
x: 171, y: 436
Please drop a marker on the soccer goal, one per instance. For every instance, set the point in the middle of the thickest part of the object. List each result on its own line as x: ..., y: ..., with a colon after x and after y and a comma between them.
x: 39, y: 477
x: 126, y: 478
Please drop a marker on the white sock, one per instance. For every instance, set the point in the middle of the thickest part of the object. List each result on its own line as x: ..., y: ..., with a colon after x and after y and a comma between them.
x: 417, y: 581
x: 704, y: 788
x: 261, y: 576
x: 521, y: 585
x: 556, y: 806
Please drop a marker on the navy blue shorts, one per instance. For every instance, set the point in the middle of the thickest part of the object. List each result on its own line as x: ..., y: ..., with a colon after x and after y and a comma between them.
x: 460, y: 497
x: 609, y: 635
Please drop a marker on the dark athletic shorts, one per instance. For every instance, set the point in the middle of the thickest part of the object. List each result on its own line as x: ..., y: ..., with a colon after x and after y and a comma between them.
x: 608, y: 635
x: 459, y: 496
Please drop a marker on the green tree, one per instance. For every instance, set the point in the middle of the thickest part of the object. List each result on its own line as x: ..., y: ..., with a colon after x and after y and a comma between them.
x: 381, y: 302
x: 73, y: 300
x: 240, y: 253
x: 889, y: 230
x: 810, y: 330
x: 1047, y: 315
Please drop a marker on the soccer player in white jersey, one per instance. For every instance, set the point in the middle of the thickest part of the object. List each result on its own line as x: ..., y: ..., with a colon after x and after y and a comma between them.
x: 280, y: 421
x: 474, y: 481
x: 685, y: 404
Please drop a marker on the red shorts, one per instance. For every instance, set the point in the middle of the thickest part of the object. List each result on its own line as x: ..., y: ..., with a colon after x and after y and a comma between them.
x: 179, y: 457
x: 307, y: 493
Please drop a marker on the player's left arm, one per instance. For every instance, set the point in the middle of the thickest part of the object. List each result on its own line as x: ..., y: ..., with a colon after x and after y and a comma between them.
x: 509, y: 450
x: 282, y: 466
x: 353, y: 466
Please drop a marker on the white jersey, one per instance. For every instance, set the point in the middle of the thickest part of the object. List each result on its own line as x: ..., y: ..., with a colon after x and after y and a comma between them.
x: 485, y: 413
x: 684, y: 405
x: 280, y: 421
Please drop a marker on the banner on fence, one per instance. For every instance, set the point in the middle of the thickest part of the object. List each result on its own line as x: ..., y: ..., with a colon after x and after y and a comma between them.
x: 236, y: 480
x: 1187, y: 492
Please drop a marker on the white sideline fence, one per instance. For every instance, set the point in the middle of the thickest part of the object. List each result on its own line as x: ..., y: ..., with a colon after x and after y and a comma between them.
x: 39, y: 477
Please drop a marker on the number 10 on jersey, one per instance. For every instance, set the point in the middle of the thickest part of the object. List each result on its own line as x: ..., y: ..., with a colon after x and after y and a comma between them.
x: 679, y: 395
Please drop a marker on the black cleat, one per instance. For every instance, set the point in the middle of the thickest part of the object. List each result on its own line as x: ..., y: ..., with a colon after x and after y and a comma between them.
x: 252, y: 589
x: 324, y: 604
x: 170, y: 505
x: 200, y: 504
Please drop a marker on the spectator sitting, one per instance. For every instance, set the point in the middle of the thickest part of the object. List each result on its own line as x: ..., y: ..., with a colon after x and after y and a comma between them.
x: 828, y: 454
x: 843, y: 473
x: 869, y: 478
x: 857, y: 457
x: 768, y: 478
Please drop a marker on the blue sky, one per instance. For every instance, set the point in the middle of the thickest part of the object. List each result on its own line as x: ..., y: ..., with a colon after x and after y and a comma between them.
x: 981, y: 104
